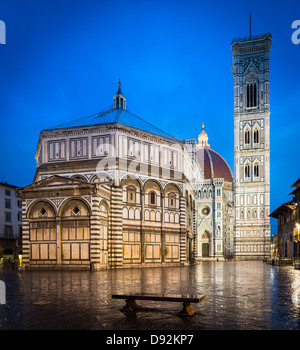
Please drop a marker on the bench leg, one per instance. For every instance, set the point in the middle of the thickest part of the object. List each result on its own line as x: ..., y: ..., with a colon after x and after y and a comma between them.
x: 131, y: 305
x: 187, y: 310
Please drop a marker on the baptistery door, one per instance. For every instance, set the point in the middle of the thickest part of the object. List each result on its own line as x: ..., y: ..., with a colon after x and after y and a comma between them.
x: 75, y: 233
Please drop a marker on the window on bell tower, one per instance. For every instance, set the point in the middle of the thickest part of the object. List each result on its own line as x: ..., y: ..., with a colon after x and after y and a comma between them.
x: 247, y: 137
x: 256, y: 170
x: 251, y: 94
x: 255, y: 136
x: 247, y: 171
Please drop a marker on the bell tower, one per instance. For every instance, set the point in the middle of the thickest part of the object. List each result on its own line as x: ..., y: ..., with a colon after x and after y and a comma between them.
x: 250, y: 69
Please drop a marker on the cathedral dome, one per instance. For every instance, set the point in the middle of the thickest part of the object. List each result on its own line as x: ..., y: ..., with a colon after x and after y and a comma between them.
x: 213, y: 165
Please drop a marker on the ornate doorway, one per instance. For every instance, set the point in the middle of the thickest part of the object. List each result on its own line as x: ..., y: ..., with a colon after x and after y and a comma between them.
x: 205, y: 245
x: 205, y: 250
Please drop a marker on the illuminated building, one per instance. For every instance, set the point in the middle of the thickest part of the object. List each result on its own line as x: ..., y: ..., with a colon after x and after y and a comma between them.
x: 111, y: 190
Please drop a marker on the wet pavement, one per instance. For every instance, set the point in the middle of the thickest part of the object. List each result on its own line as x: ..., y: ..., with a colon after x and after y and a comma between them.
x: 239, y: 296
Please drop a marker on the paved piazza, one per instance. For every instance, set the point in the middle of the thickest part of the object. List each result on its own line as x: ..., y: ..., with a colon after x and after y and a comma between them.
x: 239, y: 296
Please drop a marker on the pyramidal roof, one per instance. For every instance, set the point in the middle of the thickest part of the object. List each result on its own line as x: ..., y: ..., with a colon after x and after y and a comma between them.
x: 117, y: 115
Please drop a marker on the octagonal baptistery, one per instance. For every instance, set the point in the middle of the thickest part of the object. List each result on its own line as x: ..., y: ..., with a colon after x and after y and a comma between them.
x: 215, y: 207
x: 110, y: 191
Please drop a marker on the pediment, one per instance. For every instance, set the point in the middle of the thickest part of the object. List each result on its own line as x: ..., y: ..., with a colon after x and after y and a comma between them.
x: 54, y: 181
x: 251, y: 69
x: 205, y: 225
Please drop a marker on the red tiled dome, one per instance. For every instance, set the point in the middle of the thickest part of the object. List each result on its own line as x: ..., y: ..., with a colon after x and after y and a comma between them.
x: 213, y: 165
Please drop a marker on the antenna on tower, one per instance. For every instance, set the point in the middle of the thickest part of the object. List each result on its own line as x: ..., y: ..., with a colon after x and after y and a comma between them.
x: 250, y: 25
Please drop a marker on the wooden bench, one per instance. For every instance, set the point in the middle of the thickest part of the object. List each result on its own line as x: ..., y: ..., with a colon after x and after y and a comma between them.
x: 187, y: 309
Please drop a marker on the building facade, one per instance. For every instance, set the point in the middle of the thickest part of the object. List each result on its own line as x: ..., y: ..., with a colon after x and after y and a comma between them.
x: 214, y: 212
x: 288, y: 226
x: 10, y: 221
x: 112, y: 190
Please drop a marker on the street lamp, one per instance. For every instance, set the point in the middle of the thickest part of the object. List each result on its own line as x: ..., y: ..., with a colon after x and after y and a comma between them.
x: 298, y: 228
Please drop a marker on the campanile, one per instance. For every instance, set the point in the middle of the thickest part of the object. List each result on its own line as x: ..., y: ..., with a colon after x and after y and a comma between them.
x: 250, y: 69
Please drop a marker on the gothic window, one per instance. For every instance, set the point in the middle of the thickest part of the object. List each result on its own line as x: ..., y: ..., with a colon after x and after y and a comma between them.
x: 256, y: 136
x: 252, y: 94
x: 242, y: 214
x: 256, y: 170
x: 247, y: 171
x: 247, y: 137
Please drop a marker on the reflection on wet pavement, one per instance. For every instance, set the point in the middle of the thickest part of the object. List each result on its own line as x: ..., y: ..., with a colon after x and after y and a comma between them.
x: 239, y: 295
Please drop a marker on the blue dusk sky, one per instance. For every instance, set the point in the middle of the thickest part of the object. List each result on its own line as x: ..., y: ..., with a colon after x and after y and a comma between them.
x: 62, y: 61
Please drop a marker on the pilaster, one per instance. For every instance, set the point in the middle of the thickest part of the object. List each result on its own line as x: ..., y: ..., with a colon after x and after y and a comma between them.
x: 183, y: 230
x: 115, y: 237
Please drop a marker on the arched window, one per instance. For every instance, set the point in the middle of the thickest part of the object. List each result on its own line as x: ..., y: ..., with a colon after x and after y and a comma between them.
x: 172, y: 200
x: 131, y: 194
x: 152, y: 198
x: 256, y: 136
x: 256, y: 170
x: 252, y: 94
x: 247, y: 171
x: 247, y: 137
